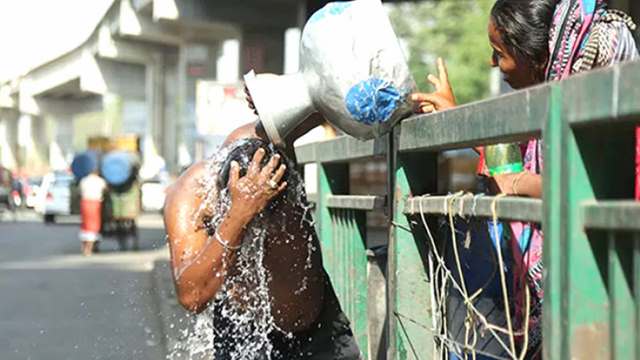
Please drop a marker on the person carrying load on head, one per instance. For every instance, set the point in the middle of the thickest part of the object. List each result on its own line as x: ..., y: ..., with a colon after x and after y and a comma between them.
x: 92, y: 188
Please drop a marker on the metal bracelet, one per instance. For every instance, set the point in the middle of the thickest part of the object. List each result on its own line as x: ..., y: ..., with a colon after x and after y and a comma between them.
x: 225, y: 244
x: 514, y: 183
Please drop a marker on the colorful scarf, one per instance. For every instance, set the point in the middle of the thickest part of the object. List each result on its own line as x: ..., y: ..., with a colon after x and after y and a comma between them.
x: 571, y: 23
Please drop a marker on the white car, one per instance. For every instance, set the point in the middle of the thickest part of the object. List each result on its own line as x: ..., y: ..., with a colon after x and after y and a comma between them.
x: 32, y: 196
x: 153, y: 194
x: 55, y: 196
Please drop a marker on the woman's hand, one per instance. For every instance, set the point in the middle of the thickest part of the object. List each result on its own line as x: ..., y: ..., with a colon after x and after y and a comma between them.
x: 251, y: 193
x: 442, y: 99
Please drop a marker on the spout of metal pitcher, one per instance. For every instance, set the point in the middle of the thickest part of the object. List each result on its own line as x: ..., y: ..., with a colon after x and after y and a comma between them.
x: 282, y: 102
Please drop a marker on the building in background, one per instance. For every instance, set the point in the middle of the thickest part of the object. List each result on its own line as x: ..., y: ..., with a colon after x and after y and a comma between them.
x: 138, y: 73
x: 167, y: 70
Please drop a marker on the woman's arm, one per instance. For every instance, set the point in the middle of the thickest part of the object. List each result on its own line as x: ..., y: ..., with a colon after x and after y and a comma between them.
x: 199, y: 261
x: 519, y: 184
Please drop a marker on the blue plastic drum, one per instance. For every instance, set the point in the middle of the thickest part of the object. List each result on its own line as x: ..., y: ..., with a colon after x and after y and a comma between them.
x: 84, y: 164
x: 117, y: 167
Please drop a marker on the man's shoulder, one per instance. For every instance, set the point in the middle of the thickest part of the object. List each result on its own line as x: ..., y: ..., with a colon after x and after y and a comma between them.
x: 187, y: 183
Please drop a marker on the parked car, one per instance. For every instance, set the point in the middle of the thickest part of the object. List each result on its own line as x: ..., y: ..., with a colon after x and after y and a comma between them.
x: 153, y: 194
x: 6, y: 188
x: 31, y: 192
x: 55, y: 196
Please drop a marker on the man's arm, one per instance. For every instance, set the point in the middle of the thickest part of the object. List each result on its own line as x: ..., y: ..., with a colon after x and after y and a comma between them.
x: 197, y: 260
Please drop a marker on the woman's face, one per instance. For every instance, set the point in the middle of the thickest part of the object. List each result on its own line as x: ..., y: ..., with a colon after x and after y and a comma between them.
x: 518, y: 74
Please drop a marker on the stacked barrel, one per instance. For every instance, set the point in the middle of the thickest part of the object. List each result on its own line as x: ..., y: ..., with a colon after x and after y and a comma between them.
x: 117, y: 160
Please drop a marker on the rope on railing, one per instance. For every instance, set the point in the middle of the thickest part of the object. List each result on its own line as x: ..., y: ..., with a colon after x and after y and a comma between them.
x: 445, y: 277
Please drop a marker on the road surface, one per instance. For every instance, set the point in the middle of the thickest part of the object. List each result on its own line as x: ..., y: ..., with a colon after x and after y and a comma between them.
x: 56, y: 304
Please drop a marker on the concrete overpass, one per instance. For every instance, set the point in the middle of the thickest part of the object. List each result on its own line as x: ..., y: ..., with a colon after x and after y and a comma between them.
x: 137, y: 72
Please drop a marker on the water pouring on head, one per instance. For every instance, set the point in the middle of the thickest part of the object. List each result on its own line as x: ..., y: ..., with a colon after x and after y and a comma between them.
x: 265, y: 217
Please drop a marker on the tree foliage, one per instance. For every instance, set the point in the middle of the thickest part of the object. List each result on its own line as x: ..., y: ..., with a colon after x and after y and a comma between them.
x: 455, y: 30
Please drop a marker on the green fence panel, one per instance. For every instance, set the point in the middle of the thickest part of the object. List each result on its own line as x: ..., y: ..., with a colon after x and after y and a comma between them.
x: 586, y: 297
x: 343, y: 242
x: 592, y: 233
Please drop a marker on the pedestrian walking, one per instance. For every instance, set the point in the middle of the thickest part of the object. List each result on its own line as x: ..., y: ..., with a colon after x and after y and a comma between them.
x: 92, y: 189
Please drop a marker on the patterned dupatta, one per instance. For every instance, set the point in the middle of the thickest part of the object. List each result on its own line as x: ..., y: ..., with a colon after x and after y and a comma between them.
x: 572, y: 21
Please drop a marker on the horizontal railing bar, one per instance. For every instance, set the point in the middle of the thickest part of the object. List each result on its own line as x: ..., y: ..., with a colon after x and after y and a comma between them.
x: 612, y: 215
x: 341, y: 149
x: 507, y: 208
x: 512, y: 117
x: 355, y: 202
x: 604, y: 95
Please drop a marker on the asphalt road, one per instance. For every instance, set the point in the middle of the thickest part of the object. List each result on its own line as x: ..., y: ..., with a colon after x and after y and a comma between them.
x: 57, y: 304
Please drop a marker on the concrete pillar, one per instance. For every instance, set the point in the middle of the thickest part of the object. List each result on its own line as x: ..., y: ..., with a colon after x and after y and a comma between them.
x: 8, y: 138
x: 60, y: 135
x: 180, y: 159
x: 32, y: 144
x: 170, y: 125
x: 195, y: 61
x: 228, y: 63
x: 153, y: 143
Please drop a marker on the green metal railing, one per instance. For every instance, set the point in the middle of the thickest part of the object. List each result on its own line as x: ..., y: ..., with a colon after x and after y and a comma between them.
x: 591, y: 226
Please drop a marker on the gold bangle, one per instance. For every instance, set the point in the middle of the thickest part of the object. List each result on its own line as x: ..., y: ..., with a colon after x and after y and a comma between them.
x: 514, y: 183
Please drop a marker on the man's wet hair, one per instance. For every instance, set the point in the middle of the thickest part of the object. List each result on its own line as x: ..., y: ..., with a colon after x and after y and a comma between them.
x: 242, y: 152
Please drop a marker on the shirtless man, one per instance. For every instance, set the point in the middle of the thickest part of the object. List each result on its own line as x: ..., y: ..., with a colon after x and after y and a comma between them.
x: 302, y: 298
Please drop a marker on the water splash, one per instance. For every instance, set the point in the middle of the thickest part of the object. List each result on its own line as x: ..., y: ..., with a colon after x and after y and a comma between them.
x: 240, y: 323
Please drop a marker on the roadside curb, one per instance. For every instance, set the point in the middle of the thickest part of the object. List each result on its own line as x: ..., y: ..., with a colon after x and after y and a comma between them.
x: 174, y: 319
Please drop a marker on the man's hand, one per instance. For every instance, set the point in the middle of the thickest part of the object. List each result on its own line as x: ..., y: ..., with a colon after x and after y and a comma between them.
x: 442, y: 99
x: 251, y: 193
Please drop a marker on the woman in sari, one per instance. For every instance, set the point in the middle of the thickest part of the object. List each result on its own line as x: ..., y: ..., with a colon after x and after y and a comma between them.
x: 535, y: 41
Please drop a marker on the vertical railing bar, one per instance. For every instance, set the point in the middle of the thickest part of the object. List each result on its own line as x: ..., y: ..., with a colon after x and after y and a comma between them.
x: 611, y: 279
x: 334, y: 238
x: 636, y: 290
x: 354, y: 251
x: 346, y: 257
x: 554, y: 224
x: 338, y: 251
x: 355, y: 257
x: 363, y: 281
x: 391, y: 157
